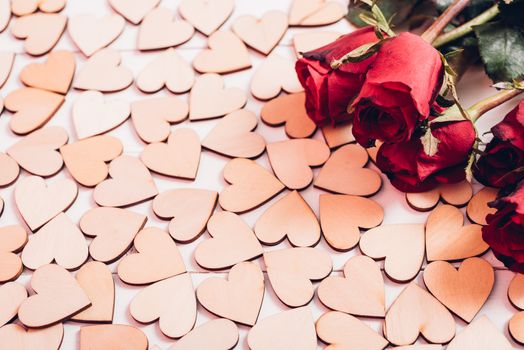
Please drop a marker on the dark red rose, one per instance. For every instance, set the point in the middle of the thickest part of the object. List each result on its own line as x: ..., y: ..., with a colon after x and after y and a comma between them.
x: 330, y: 91
x: 504, y: 231
x: 504, y: 155
x: 400, y: 87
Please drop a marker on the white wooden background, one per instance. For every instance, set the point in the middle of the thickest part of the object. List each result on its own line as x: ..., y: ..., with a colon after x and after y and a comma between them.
x: 474, y: 86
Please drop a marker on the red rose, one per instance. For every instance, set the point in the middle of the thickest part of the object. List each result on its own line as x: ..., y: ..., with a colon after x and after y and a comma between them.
x: 504, y: 154
x: 400, y: 88
x: 504, y: 231
x: 330, y: 91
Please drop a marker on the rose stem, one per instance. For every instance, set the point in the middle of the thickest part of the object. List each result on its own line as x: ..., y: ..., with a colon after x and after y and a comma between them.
x: 442, y: 21
x: 481, y: 107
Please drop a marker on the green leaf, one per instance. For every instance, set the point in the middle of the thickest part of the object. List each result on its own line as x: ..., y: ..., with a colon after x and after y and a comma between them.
x: 502, y: 50
x: 512, y: 12
x: 397, y: 10
x: 358, y: 54
x: 430, y: 143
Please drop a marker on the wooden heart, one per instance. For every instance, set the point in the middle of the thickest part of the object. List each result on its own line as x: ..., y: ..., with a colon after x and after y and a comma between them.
x: 32, y: 108
x: 172, y: 302
x: 209, y: 99
x: 342, y: 216
x: 58, y: 297
x: 315, y: 12
x: 416, y: 311
x: 152, y: 117
x: 478, y: 207
x: 218, y: 334
x: 232, y: 242
x: 311, y: 40
x: 420, y: 347
x: 226, y: 54
x: 134, y: 11
x: 158, y: 30
x: 233, y: 136
x: 25, y: 7
x: 56, y: 74
x: 12, y: 239
x: 338, y: 135
x: 343, y: 331
x: 447, y: 239
x: 291, y: 111
x: 41, y: 31
x: 112, y: 336
x: 86, y: 159
x: 360, y: 292
x: 345, y: 173
x: 169, y: 70
x: 261, y: 34
x: 179, y: 157
x: 465, y: 291
x: 189, y: 210
x: 92, y: 33
x: 59, y: 240
x: 114, y: 230
x: 206, y: 16
x: 516, y: 327
x: 93, y: 116
x: 289, y: 217
x: 16, y: 337
x: 291, y: 160
x: 251, y: 186
x: 290, y: 329
x: 39, y: 202
x: 96, y: 280
x: 516, y: 291
x: 457, y: 194
x: 130, y: 183
x: 103, y: 72
x: 9, y: 171
x: 244, y: 285
x: 401, y: 245
x: 5, y: 17
x: 291, y: 271
x: 6, y: 64
x: 12, y: 294
x: 481, y: 334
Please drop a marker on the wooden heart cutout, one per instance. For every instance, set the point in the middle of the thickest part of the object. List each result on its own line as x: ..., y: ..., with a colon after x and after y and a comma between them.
x: 338, y: 135
x: 159, y: 30
x: 9, y: 171
x: 291, y: 271
x: 290, y: 329
x: 233, y: 136
x: 58, y: 297
x: 478, y: 207
x: 12, y: 294
x: 291, y: 160
x: 244, y: 285
x: 16, y: 337
x: 130, y: 183
x: 39, y: 202
x: 103, y: 72
x: 342, y: 216
x: 112, y: 336
x: 420, y: 347
x: 232, y: 242
x: 463, y: 292
x: 345, y: 173
x: 516, y: 291
x: 134, y: 11
x: 343, y: 331
x: 5, y: 17
x: 401, y: 245
x: 516, y: 327
x: 218, y: 334
x: 289, y: 217
x: 113, y: 230
x: 96, y: 280
x: 457, y: 194
x: 209, y: 99
x: 92, y: 33
x: 41, y: 31
x: 180, y: 157
x: 291, y: 111
x: 226, y: 54
x: 315, y: 13
x: 32, y: 108
x: 59, y: 240
x: 86, y: 159
x: 447, y: 239
x: 250, y: 186
x: 172, y: 302
x: 311, y: 40
x: 169, y: 70
x: 26, y: 7
x: 416, y: 311
x: 152, y: 117
x: 206, y: 16
x: 55, y: 74
x: 481, y: 334
x: 12, y: 239
x: 6, y: 64
x: 261, y: 34
x: 360, y: 292
x: 275, y: 74
x: 93, y: 116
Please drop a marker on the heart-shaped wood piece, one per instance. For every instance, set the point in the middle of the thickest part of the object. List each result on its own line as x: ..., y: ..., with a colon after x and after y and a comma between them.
x: 9, y: 171
x: 26, y: 7
x: 16, y: 337
x: 291, y: 271
x: 134, y: 11
x: 232, y: 242
x: 457, y: 194
x: 218, y: 334
x: 261, y: 34
x: 206, y: 16
x: 41, y: 31
x: 516, y: 327
x: 516, y: 291
x: 58, y: 296
x: 291, y: 111
x: 158, y: 30
x: 478, y: 207
x: 481, y: 334
x: 311, y: 40
x: 447, y: 239
x: 12, y: 294
x: 172, y: 302
x: 91, y: 33
x: 338, y: 135
x: 5, y: 17
x: 315, y: 13
x: 12, y: 239
x: 462, y: 291
x: 6, y: 64
x: 112, y: 336
x: 244, y: 285
x: 289, y: 217
x: 56, y: 74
